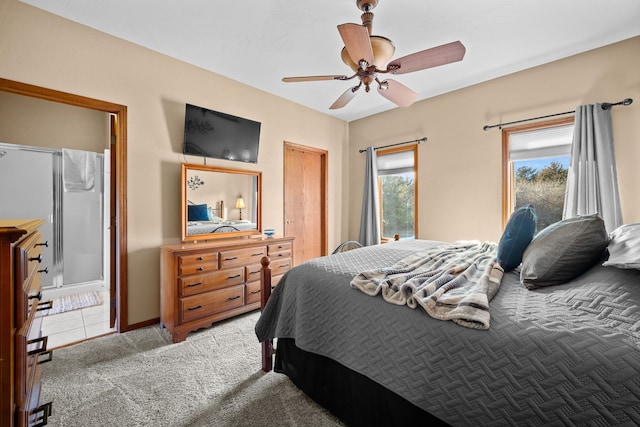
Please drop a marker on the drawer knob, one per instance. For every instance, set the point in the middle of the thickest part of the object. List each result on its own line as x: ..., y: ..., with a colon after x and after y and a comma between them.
x: 194, y: 308
x: 190, y: 285
x: 45, y: 357
x: 47, y: 305
x: 38, y: 258
x: 284, y: 266
x: 261, y: 253
x: 45, y: 244
x: 200, y: 258
x: 231, y: 258
x: 234, y: 277
x: 43, y: 346
x: 255, y: 292
x: 45, y: 271
x: 200, y: 268
x: 232, y: 298
x: 39, y: 296
x: 42, y: 414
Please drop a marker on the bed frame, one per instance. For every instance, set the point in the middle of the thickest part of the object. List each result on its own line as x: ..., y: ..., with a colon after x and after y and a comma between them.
x: 265, y: 293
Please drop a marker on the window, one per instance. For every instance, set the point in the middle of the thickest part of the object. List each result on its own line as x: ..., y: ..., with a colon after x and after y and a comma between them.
x: 398, y: 189
x: 536, y: 162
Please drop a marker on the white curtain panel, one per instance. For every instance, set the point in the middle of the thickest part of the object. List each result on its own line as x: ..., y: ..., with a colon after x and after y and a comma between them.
x: 369, y: 221
x: 592, y: 184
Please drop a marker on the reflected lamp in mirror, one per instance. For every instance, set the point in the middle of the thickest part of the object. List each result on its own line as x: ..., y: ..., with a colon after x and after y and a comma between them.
x: 240, y: 205
x: 203, y: 206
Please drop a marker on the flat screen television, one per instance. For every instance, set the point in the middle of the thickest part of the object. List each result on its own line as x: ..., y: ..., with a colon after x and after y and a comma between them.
x: 209, y: 133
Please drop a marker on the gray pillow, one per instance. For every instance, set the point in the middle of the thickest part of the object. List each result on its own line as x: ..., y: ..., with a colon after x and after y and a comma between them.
x: 624, y: 247
x: 563, y: 251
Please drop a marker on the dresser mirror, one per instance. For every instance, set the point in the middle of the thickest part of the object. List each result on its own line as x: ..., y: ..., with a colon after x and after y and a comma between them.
x: 220, y: 202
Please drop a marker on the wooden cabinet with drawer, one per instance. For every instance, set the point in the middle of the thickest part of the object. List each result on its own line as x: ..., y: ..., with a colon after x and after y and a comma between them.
x: 202, y: 283
x: 22, y: 347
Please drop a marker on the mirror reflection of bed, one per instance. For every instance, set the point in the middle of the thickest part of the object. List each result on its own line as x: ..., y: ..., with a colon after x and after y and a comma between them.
x: 218, y: 201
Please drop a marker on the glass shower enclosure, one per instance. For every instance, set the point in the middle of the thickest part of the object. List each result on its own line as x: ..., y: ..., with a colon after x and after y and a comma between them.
x: 35, y: 184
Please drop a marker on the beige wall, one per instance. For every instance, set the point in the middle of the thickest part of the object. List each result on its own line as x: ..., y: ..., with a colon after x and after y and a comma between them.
x: 32, y: 121
x: 460, y: 165
x: 44, y: 50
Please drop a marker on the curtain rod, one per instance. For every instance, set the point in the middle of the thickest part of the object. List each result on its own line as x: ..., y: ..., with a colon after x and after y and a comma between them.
x: 423, y: 139
x: 605, y: 106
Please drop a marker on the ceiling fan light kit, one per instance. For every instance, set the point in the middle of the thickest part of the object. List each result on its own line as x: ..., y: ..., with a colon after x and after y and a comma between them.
x: 368, y: 55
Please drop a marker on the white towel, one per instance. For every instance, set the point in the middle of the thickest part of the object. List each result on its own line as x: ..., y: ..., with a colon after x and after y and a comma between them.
x: 78, y: 170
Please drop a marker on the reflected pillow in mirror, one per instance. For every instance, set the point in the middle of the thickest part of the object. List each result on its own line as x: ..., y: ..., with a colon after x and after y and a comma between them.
x: 624, y: 247
x: 213, y: 217
x: 197, y: 213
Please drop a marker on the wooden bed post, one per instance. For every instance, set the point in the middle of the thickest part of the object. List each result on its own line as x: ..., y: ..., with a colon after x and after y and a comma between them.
x: 265, y: 293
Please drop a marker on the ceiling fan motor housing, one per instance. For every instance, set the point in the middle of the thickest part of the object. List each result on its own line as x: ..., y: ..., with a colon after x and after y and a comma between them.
x: 383, y: 50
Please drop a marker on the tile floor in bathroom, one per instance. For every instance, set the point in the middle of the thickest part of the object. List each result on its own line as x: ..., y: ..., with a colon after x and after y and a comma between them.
x: 77, y: 325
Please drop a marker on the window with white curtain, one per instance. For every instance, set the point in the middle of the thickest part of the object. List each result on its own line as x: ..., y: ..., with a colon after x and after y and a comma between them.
x: 398, y: 189
x: 537, y: 162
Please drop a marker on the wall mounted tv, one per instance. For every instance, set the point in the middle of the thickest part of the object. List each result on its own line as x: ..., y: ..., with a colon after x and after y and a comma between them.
x: 209, y: 133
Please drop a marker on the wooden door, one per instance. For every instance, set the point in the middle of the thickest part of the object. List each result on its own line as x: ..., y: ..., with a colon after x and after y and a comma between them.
x: 305, y: 200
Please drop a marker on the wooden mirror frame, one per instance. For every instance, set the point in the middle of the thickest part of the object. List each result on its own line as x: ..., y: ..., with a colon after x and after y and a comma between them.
x: 186, y: 168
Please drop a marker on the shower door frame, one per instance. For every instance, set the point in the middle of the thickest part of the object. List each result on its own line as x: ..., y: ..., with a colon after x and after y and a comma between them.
x: 118, y: 208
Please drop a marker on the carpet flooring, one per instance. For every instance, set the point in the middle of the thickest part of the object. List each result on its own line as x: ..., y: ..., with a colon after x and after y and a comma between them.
x: 75, y: 302
x: 140, y: 378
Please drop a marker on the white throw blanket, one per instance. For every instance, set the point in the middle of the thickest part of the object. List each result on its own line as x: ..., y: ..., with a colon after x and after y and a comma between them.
x: 450, y: 282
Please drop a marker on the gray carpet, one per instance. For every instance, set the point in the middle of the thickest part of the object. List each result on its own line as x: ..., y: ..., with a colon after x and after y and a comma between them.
x: 140, y: 378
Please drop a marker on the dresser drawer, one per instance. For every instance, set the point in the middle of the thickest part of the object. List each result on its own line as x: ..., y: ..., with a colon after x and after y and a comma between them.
x: 202, y: 305
x: 252, y: 292
x: 27, y: 275
x: 31, y: 351
x: 196, y: 284
x: 252, y: 272
x: 236, y: 257
x: 278, y: 250
x: 197, y: 263
x: 280, y: 266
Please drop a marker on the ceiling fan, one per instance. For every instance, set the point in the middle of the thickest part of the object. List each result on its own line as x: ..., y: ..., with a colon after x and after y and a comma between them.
x: 367, y: 55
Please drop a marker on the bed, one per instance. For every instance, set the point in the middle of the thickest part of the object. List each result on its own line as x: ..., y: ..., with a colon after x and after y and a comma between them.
x: 207, y: 227
x: 555, y: 353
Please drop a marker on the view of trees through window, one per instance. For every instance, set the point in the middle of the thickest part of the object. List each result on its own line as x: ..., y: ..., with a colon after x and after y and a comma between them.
x: 541, y: 183
x: 398, y: 205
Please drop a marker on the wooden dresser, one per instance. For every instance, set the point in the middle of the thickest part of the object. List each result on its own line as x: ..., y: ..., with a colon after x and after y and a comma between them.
x: 22, y: 346
x: 202, y: 283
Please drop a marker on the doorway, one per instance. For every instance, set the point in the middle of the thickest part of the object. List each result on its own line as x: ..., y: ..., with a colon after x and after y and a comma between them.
x: 117, y: 215
x: 305, y: 200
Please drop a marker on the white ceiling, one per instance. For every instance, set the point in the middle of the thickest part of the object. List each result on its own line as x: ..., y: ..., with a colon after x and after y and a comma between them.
x: 259, y: 42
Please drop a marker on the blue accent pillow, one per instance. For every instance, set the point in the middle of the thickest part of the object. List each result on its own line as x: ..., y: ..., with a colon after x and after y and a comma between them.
x: 197, y: 213
x: 516, y: 237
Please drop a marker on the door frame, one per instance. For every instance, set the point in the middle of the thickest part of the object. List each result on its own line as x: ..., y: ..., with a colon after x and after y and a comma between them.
x: 118, y: 144
x: 324, y: 158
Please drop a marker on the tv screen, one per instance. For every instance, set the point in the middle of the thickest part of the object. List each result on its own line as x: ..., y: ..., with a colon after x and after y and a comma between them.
x: 218, y: 135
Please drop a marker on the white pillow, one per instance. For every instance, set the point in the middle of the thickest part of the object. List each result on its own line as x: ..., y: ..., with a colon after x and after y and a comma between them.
x: 624, y: 247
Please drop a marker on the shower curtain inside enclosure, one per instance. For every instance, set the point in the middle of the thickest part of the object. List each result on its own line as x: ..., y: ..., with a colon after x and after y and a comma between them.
x: 32, y: 185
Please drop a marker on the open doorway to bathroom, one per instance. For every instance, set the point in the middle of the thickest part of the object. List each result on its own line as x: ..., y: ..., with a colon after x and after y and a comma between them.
x: 69, y: 189
x: 32, y: 118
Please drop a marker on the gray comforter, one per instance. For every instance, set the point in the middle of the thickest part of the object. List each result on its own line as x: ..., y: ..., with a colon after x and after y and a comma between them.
x: 563, y: 355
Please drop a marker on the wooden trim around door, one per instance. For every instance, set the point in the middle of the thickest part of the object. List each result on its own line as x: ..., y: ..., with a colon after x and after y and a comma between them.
x: 119, y: 209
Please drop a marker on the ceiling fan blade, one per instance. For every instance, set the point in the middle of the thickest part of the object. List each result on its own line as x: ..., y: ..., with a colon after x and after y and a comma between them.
x: 398, y: 93
x: 356, y: 40
x: 344, y: 99
x: 439, y: 55
x: 313, y: 78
